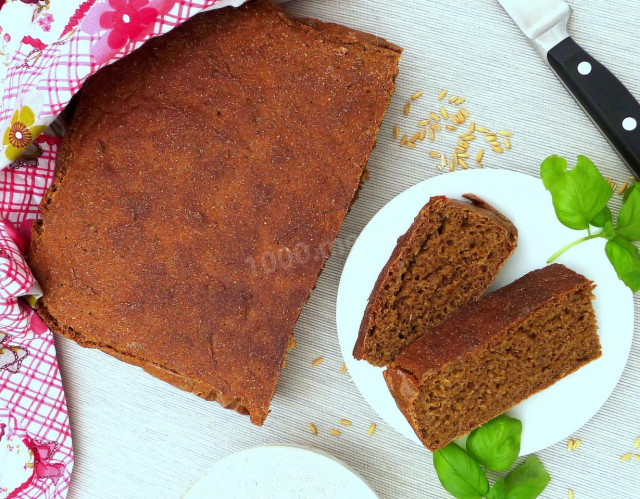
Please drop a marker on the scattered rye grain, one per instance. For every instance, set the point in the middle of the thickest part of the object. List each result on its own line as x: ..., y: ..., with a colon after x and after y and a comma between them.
x: 371, y: 429
x: 482, y: 129
x: 345, y: 422
x: 434, y: 154
x: 472, y: 127
x: 343, y: 369
x: 625, y: 457
x: 414, y: 137
x: 417, y: 95
x: 423, y: 122
x: 464, y: 112
x: 335, y: 432
x: 490, y: 137
x: 396, y: 131
x: 313, y: 428
x: 456, y: 120
x: 507, y: 143
x: 499, y: 150
x: 621, y: 189
x: 443, y: 160
x: 576, y: 444
x: 506, y: 133
x: 459, y: 149
x: 455, y: 158
x: 460, y: 100
x: 410, y: 145
x: 435, y: 126
x: 463, y: 163
x: 495, y: 143
x: 452, y: 99
x: 451, y: 166
x: 636, y: 444
x: 317, y: 361
x: 465, y: 145
x: 570, y: 494
x: 479, y: 155
x: 432, y: 135
x: 423, y: 133
x: 407, y: 108
x: 570, y: 444
x: 463, y: 155
x: 403, y: 140
x: 444, y: 112
x: 451, y: 128
x: 434, y: 116
x: 442, y: 94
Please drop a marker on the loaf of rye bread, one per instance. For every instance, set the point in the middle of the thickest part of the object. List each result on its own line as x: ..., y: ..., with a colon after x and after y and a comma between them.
x: 494, y: 353
x: 449, y: 256
x: 199, y: 187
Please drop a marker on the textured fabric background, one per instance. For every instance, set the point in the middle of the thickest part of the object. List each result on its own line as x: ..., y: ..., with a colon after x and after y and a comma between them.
x: 136, y: 437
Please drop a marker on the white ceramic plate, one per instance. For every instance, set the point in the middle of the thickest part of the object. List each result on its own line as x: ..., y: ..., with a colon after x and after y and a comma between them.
x: 282, y: 472
x: 554, y: 413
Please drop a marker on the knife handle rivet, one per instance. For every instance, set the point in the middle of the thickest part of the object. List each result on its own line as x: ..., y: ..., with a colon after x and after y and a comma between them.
x: 629, y: 124
x: 584, y: 68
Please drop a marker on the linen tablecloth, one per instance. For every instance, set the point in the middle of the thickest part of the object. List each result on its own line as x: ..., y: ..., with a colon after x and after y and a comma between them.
x: 137, y: 437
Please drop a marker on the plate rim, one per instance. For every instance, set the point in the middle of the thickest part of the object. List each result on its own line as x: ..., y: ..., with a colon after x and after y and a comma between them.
x: 448, y: 180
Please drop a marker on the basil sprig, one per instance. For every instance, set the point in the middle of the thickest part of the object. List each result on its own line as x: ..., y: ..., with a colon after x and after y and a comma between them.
x: 459, y: 473
x: 493, y: 446
x: 580, y: 198
x: 496, y: 445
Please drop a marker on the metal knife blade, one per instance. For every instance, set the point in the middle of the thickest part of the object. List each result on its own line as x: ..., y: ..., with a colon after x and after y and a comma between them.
x: 544, y: 22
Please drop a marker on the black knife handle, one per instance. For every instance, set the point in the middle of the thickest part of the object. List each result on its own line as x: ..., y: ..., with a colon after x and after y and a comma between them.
x: 603, y: 97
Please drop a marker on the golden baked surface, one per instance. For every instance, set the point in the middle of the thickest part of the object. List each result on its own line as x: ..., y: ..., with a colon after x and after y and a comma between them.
x: 494, y: 353
x: 200, y: 184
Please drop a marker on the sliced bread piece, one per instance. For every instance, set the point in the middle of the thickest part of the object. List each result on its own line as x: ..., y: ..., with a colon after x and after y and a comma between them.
x: 448, y: 257
x: 494, y: 353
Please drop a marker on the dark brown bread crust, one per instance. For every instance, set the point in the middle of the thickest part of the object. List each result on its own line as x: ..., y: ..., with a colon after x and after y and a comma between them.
x: 414, y: 238
x: 199, y: 187
x: 481, y: 327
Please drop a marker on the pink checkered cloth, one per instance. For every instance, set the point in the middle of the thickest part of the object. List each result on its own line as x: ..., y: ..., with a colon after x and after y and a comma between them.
x: 47, y: 49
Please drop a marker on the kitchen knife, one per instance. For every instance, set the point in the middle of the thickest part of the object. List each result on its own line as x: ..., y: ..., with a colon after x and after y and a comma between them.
x: 602, y: 96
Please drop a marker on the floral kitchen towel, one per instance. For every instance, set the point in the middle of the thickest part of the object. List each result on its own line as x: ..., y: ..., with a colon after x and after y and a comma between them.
x: 47, y: 50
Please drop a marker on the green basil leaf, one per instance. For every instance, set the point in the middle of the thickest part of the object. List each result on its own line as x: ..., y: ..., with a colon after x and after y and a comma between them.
x: 629, y: 190
x: 459, y: 474
x: 578, y: 195
x: 496, y: 444
x: 602, y: 218
x: 527, y: 481
x: 608, y: 232
x: 625, y: 258
x: 628, y: 223
x: 498, y: 490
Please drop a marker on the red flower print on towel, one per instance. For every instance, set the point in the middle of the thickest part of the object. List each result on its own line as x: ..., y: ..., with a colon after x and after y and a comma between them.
x: 45, y: 22
x: 119, y: 22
